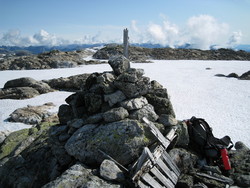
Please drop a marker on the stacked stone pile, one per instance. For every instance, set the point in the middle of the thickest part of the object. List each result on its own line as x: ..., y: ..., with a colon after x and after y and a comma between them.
x: 107, y: 115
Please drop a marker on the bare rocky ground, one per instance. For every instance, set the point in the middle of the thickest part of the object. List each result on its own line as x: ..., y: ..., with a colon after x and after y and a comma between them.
x: 58, y: 59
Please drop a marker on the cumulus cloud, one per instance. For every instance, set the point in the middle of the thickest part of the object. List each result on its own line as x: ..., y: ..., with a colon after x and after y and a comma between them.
x: 14, y: 38
x: 157, y: 33
x: 235, y: 38
x: 134, y: 26
x: 202, y: 32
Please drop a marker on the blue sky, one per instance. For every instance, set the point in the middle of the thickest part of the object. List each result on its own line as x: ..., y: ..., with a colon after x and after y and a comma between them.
x: 168, y: 22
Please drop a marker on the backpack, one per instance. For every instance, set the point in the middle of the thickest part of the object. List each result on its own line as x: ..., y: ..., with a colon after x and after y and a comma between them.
x: 202, y: 140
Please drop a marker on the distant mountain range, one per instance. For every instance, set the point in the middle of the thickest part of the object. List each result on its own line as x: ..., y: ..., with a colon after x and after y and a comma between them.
x: 72, y: 47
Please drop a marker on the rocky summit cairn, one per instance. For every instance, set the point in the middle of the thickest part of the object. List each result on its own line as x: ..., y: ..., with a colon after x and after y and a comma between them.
x: 101, y: 135
x: 106, y: 115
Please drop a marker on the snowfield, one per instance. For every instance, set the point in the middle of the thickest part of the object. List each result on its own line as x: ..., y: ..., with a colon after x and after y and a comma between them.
x: 223, y: 102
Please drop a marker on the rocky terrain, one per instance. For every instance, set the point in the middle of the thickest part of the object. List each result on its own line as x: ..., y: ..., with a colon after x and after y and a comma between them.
x: 24, y: 88
x: 59, y: 59
x: 47, y: 60
x: 140, y: 54
x: 244, y: 76
x: 104, y: 117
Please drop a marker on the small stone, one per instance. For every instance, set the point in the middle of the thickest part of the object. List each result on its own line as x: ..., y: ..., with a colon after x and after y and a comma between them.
x: 76, y: 123
x: 115, y: 114
x: 134, y: 104
x: 110, y: 171
x: 114, y: 98
x: 241, y: 146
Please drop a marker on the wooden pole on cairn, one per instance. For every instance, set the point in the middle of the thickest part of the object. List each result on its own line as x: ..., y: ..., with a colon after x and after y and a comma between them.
x: 125, y: 42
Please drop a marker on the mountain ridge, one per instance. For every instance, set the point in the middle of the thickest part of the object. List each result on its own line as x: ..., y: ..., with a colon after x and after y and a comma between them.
x: 73, y: 47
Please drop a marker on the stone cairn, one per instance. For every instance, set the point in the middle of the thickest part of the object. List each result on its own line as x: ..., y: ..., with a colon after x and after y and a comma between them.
x: 105, y: 119
x: 106, y: 115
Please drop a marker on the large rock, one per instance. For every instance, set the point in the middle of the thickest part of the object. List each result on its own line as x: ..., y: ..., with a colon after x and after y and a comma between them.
x: 26, y: 158
x: 31, y: 114
x: 18, y: 93
x: 184, y: 160
x: 160, y: 100
x: 123, y: 140
x: 79, y: 176
x: 146, y: 111
x: 72, y: 83
x: 23, y: 88
x: 119, y: 64
x: 40, y: 86
x: 132, y: 83
x: 245, y: 76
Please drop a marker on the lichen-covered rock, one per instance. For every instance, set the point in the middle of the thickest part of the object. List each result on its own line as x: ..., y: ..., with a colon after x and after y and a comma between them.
x: 115, y: 114
x: 146, y: 111
x: 160, y: 100
x: 122, y: 140
x: 40, y: 86
x: 79, y: 176
x: 133, y: 89
x: 110, y: 171
x: 26, y: 158
x: 114, y: 98
x: 3, y: 135
x: 72, y: 83
x: 93, y: 102
x: 183, y: 159
x: 31, y: 114
x: 65, y: 114
x: 167, y: 120
x: 134, y: 104
x: 18, y: 93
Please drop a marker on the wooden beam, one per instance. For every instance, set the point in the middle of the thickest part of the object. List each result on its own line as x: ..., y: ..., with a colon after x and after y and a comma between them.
x: 162, y: 178
x: 165, y: 141
x: 151, y: 181
x: 170, y: 174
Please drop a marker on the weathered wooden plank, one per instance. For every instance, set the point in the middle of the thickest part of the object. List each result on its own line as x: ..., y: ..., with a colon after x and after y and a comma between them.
x: 170, y: 163
x: 165, y: 142
x: 171, y: 134
x: 151, y: 181
x: 142, y: 185
x: 144, y: 156
x: 222, y: 179
x: 146, y: 159
x: 162, y: 178
x: 170, y: 174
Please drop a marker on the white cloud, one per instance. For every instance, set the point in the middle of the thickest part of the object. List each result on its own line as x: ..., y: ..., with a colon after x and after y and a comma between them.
x: 235, y: 38
x: 200, y: 32
x: 134, y: 26
x: 204, y: 31
x: 157, y: 33
x: 12, y: 37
